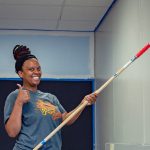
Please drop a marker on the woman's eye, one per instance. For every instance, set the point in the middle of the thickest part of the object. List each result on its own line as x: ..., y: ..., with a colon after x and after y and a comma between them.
x: 31, y: 69
x: 39, y: 69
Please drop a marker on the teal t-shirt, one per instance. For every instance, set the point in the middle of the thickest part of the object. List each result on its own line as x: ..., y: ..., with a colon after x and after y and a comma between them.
x: 40, y: 116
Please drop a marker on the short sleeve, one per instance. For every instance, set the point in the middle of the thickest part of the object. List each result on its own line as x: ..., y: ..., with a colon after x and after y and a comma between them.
x: 57, y: 103
x: 9, y: 104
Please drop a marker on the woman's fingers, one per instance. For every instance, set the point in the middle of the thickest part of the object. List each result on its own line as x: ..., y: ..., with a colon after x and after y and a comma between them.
x: 91, y: 98
x: 23, y: 95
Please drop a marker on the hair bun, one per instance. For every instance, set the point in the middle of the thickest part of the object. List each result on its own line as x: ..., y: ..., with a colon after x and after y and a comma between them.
x: 20, y: 50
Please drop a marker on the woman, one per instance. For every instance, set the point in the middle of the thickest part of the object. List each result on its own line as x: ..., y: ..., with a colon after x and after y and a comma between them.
x: 31, y: 114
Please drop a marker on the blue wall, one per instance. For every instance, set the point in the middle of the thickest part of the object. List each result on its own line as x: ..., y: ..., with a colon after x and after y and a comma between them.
x: 68, y: 55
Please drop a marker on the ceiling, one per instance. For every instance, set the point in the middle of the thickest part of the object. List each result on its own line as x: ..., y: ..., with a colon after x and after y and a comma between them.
x: 53, y: 15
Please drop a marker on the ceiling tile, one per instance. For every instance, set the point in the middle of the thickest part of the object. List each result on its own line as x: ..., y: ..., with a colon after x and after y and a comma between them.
x: 77, y: 25
x: 35, y: 2
x: 29, y: 12
x: 28, y: 24
x: 88, y: 2
x: 82, y: 13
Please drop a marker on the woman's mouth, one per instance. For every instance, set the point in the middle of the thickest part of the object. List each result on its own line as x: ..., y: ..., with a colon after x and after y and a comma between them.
x: 36, y: 78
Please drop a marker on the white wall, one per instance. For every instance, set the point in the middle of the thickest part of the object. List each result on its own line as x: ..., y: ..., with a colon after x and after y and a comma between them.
x: 61, y: 55
x: 122, y: 109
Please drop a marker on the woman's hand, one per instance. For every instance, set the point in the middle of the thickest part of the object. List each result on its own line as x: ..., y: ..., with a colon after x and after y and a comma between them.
x: 23, y: 95
x: 91, y: 98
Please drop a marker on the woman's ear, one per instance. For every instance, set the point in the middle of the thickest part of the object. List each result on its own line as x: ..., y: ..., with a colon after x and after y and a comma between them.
x: 20, y: 73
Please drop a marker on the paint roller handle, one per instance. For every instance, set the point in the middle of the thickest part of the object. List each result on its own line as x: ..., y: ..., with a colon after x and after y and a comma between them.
x: 144, y: 49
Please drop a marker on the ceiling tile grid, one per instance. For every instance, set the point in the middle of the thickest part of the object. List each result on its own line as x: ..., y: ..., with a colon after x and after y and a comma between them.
x: 74, y: 15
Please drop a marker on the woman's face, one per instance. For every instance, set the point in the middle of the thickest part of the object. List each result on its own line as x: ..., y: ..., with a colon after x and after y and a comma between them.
x: 31, y: 73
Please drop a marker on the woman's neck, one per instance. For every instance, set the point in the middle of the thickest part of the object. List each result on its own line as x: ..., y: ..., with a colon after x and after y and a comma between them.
x: 33, y: 89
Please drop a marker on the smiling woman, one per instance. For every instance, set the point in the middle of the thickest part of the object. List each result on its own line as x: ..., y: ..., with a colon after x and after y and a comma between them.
x: 28, y: 111
x: 27, y: 67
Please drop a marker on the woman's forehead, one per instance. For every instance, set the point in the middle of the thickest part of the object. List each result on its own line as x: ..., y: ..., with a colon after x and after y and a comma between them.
x: 31, y: 62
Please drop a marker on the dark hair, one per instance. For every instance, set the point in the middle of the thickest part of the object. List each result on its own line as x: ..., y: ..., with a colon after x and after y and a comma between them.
x: 21, y: 54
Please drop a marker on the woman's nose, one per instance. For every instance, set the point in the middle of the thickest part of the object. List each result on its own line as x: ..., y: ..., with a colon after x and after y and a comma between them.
x: 37, y: 71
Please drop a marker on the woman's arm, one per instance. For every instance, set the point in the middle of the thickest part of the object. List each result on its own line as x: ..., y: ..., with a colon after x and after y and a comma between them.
x: 91, y: 98
x: 13, y: 124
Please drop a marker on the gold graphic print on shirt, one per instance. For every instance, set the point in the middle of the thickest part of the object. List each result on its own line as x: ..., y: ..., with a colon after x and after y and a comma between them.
x: 48, y: 108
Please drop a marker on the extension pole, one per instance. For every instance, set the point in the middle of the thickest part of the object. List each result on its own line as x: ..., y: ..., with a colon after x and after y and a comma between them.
x: 82, y: 106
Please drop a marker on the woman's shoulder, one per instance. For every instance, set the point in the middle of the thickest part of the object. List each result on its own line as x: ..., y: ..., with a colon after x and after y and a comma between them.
x: 13, y: 93
x: 12, y: 96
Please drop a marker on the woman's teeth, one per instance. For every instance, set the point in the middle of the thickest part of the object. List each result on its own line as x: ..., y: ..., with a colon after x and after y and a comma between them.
x: 36, y: 78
